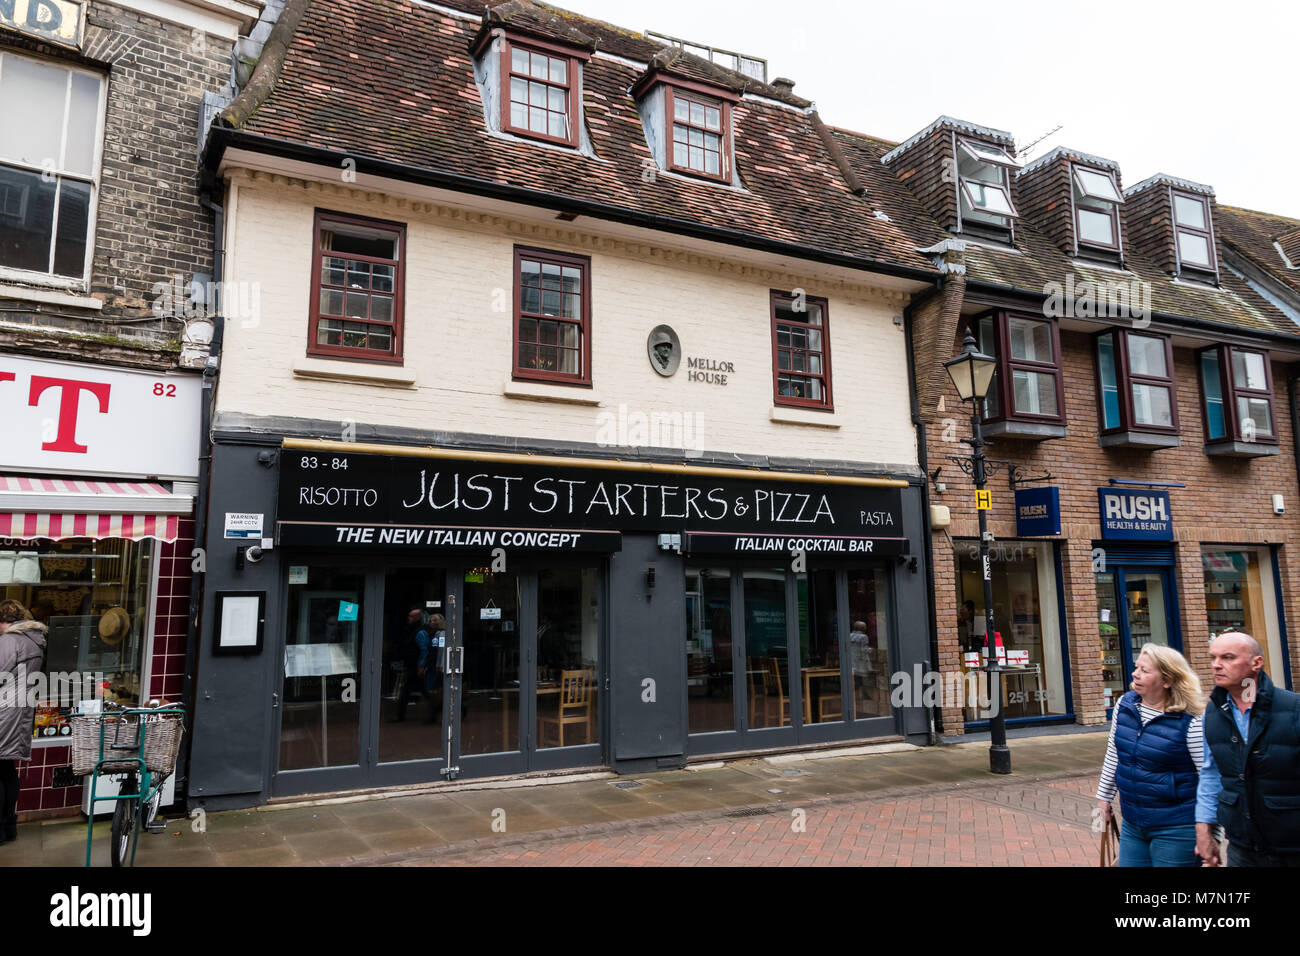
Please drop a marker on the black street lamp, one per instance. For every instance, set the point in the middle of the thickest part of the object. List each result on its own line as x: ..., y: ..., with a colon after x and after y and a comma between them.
x: 972, y: 372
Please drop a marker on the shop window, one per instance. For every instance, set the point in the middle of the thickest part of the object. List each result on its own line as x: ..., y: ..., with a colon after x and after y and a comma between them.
x: 1026, y: 386
x: 801, y: 351
x: 94, y: 596
x: 320, y: 717
x: 709, y: 637
x: 1240, y: 595
x: 552, y: 317
x: 1237, y: 398
x: 700, y: 140
x: 1135, y: 386
x: 568, y: 656
x: 869, y: 642
x: 49, y: 169
x: 540, y: 92
x: 357, y: 288
x: 767, y: 658
x: 1026, y: 616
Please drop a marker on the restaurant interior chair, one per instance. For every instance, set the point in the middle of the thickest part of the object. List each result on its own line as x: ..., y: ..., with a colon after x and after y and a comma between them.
x: 774, y: 693
x: 575, y: 707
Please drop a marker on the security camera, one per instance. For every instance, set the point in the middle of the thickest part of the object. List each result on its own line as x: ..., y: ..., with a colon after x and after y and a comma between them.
x: 254, y: 554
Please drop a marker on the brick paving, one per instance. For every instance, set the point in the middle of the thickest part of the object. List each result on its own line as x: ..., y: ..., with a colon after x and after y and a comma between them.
x: 1026, y: 823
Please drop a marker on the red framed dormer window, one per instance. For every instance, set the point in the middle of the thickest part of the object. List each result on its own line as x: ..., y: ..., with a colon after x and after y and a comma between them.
x: 699, y: 131
x: 541, y: 90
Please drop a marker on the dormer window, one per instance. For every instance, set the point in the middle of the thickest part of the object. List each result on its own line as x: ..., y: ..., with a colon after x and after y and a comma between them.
x: 687, y: 124
x: 984, y: 185
x: 701, y: 133
x: 1195, y: 232
x: 541, y: 85
x: 1096, y: 208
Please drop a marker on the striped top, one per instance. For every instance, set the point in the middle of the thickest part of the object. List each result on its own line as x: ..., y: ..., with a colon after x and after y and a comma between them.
x: 1106, y: 788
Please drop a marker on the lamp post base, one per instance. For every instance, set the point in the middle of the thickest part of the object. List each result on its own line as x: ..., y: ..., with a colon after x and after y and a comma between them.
x: 999, y: 758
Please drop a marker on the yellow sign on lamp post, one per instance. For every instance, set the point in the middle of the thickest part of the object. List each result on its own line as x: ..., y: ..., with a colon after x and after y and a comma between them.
x: 984, y: 500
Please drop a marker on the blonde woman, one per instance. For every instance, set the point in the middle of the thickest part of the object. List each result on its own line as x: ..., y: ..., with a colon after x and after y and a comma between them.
x: 1153, y: 759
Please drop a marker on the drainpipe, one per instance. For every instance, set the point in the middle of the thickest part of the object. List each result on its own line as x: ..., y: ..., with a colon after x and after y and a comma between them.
x: 205, y: 481
x: 936, y: 713
x: 1292, y: 376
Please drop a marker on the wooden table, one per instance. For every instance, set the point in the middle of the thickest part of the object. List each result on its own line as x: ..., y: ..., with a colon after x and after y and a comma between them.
x: 809, y: 674
x: 550, y: 687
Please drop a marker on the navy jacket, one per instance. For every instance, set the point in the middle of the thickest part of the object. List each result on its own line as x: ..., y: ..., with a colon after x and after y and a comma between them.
x: 1156, y: 776
x: 1259, y: 806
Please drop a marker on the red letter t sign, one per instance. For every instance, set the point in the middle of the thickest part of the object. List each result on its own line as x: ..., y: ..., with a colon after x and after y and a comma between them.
x: 66, y: 439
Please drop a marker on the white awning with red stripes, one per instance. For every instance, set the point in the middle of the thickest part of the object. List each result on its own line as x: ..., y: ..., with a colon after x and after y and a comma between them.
x: 58, y: 508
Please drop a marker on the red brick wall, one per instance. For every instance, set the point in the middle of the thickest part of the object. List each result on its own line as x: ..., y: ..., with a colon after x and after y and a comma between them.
x: 39, y: 797
x: 1226, y: 500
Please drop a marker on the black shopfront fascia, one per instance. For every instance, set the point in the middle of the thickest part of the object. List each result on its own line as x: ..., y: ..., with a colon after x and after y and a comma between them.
x: 331, y: 499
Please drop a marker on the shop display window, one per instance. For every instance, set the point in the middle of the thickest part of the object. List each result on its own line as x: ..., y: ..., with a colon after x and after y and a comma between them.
x: 1240, y: 596
x: 94, y: 598
x: 1025, y: 614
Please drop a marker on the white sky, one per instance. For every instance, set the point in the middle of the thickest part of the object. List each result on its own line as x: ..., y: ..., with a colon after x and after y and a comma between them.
x: 1205, y: 91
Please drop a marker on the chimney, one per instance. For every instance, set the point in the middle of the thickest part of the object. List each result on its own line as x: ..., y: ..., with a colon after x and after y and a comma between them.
x: 1171, y: 222
x: 951, y: 160
x: 784, y: 84
x: 1074, y: 198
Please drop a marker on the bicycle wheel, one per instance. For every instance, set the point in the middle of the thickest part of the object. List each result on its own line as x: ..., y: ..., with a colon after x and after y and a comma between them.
x: 119, y: 847
x: 149, y: 814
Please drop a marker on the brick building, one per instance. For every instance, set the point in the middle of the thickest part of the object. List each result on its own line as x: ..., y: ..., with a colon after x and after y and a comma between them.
x: 1142, y: 411
x: 102, y: 237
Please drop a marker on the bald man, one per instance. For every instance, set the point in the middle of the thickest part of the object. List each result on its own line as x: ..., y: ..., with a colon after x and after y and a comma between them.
x: 1250, y: 779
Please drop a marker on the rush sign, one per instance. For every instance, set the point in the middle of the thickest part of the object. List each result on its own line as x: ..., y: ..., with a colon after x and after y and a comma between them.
x: 87, y: 419
x: 1135, y: 515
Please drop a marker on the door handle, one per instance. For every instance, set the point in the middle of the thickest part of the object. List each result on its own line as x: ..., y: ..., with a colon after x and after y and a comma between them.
x: 455, y: 660
x: 275, y: 700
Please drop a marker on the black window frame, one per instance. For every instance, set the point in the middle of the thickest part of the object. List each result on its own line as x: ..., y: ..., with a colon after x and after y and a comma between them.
x: 1126, y: 379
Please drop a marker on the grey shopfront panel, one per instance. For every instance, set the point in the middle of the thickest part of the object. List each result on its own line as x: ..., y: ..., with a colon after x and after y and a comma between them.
x: 647, y: 632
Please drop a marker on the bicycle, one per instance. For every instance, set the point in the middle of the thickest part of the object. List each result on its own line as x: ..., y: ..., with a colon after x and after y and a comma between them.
x: 143, y: 749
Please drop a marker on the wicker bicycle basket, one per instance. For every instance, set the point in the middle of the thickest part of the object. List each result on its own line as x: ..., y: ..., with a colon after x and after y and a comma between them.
x: 162, y: 742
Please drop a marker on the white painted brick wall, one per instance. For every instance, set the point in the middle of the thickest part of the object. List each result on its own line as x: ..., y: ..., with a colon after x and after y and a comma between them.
x: 460, y: 349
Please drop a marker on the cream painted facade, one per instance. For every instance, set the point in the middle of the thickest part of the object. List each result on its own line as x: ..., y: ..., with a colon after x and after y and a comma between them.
x: 456, y: 374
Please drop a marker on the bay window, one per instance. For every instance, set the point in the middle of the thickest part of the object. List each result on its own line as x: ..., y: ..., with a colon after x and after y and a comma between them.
x: 1237, y: 400
x: 1137, y: 406
x: 1025, y: 397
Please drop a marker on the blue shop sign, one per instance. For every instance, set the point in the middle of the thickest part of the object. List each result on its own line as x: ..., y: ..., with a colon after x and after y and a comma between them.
x: 1038, y: 512
x: 1129, y: 515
